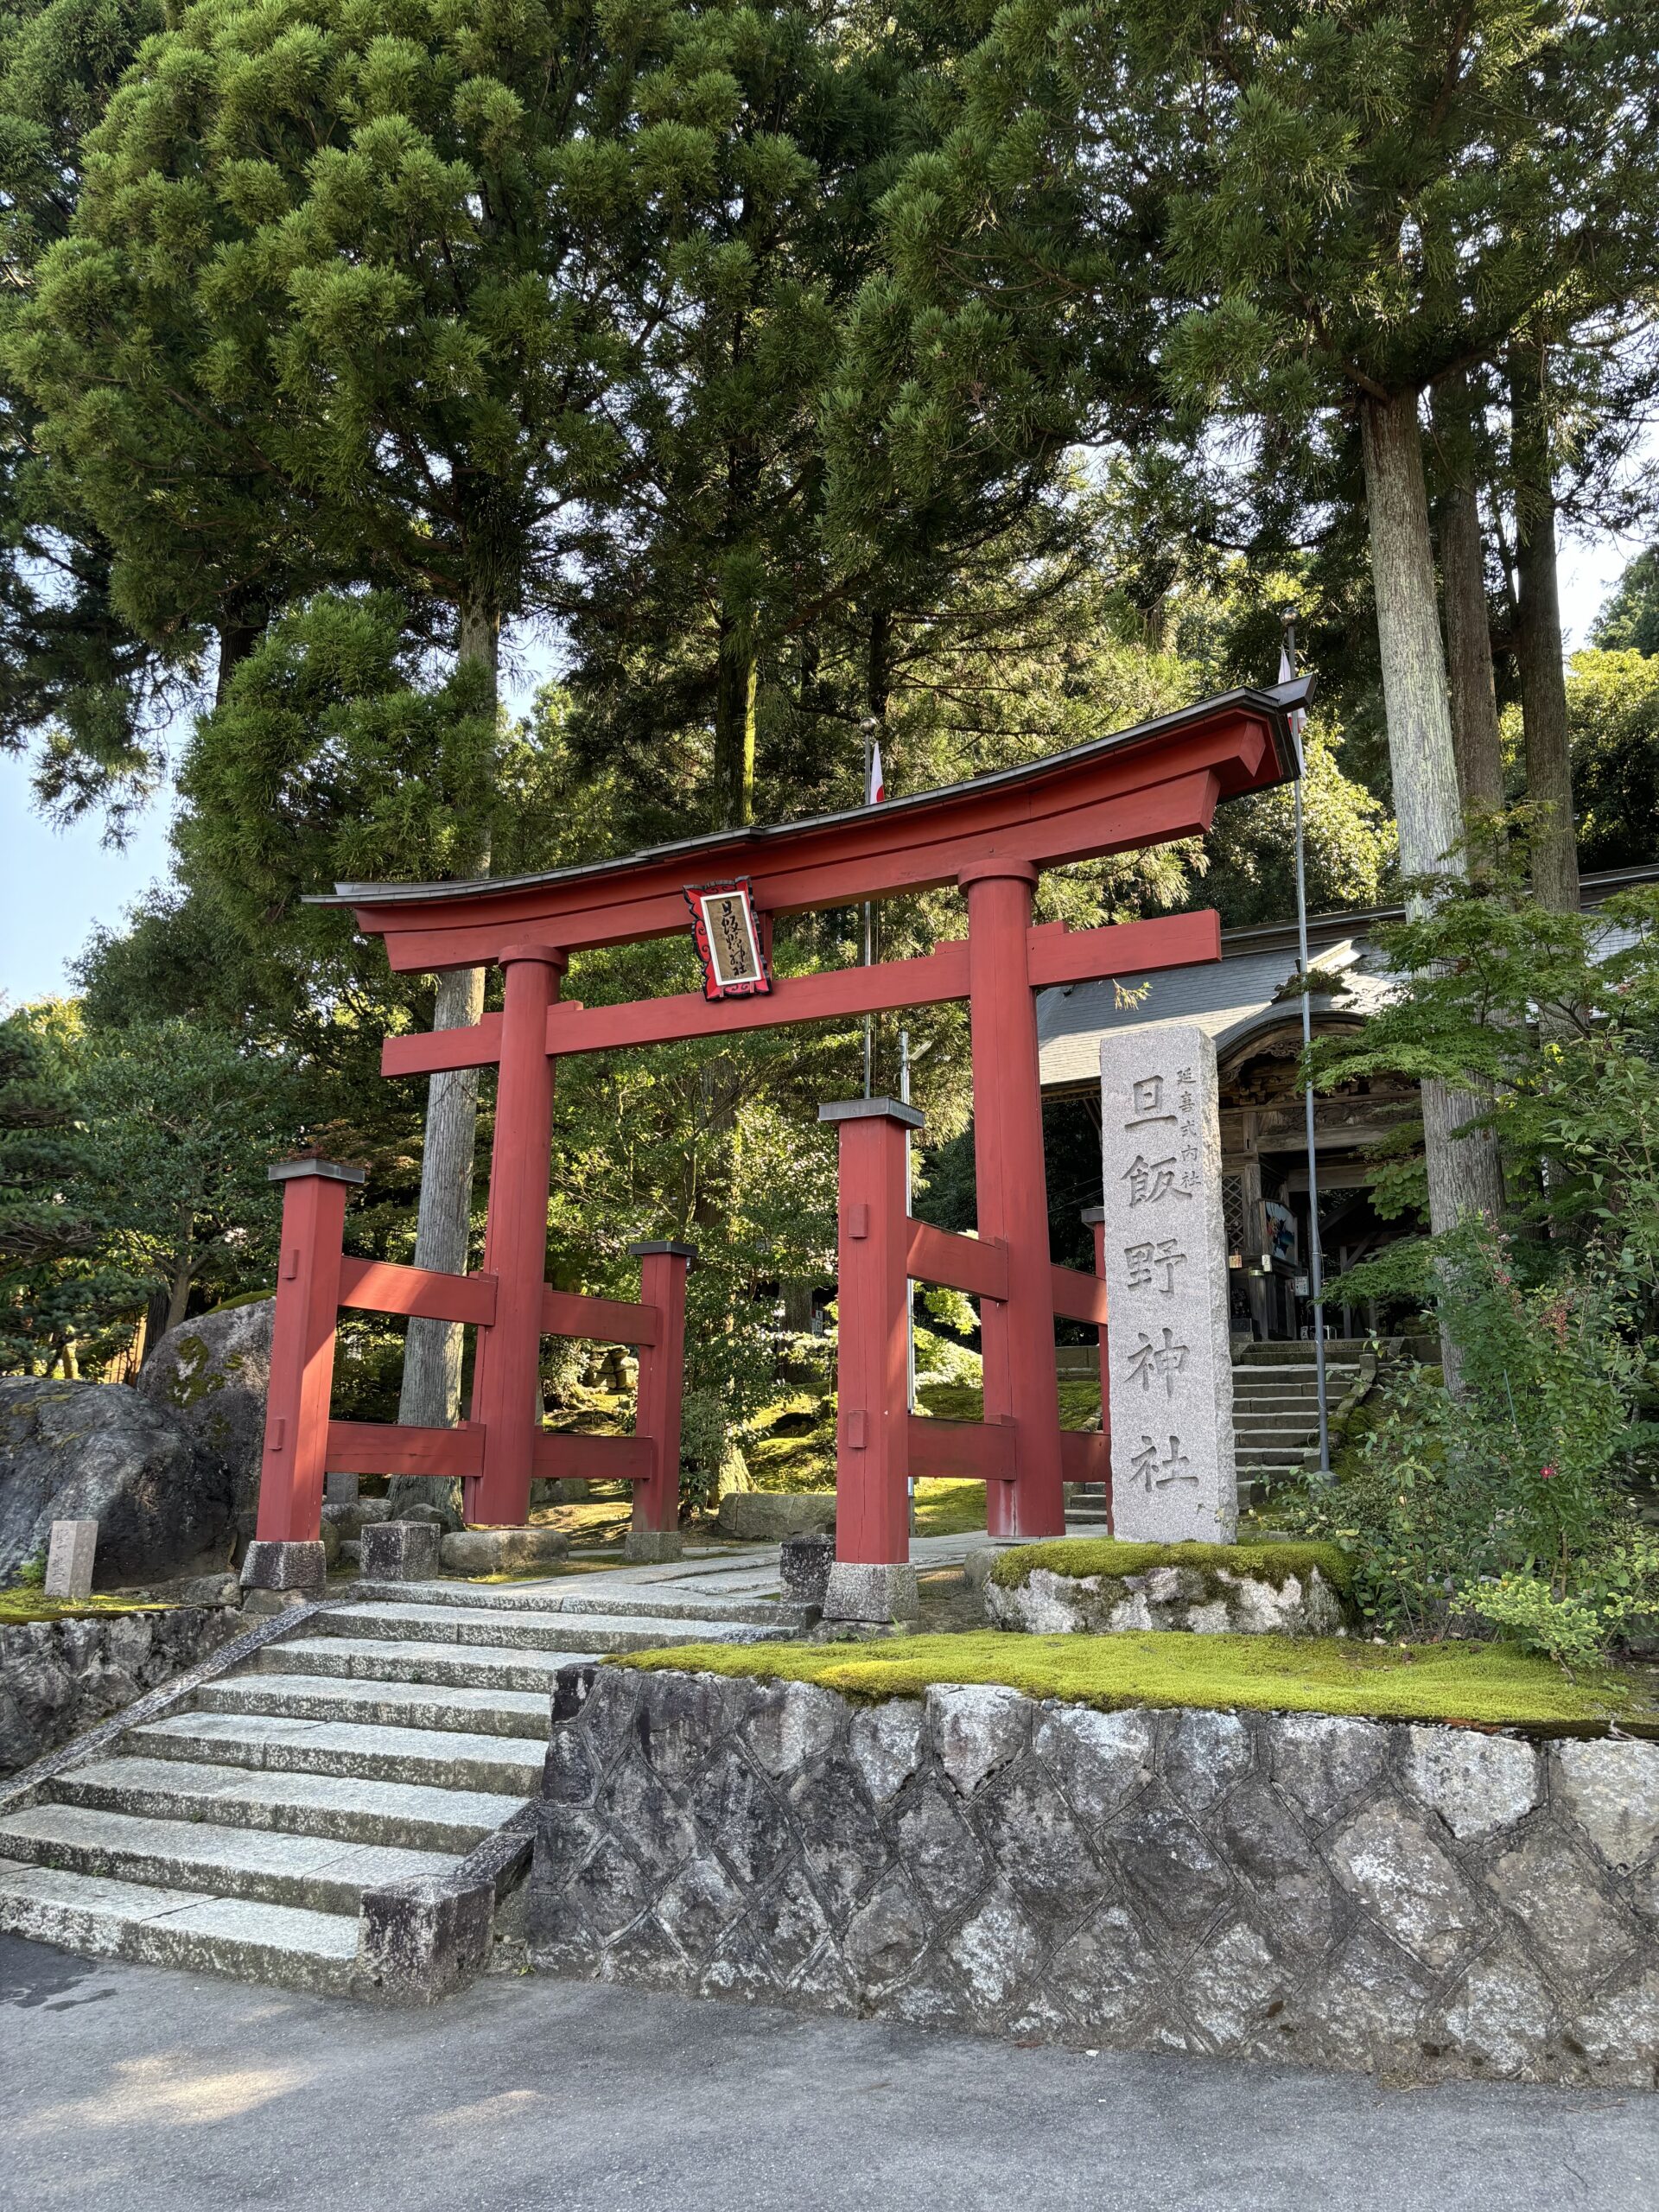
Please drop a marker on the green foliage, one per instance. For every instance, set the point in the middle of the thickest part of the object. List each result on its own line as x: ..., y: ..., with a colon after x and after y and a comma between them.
x: 62, y: 1287
x: 335, y: 755
x: 1510, y: 1002
x: 132, y: 1165
x: 1629, y: 621
x: 308, y: 323
x: 1612, y: 704
x: 73, y: 677
x: 1247, y: 870
x: 1371, y: 196
x: 1506, y: 1501
x: 1490, y: 1684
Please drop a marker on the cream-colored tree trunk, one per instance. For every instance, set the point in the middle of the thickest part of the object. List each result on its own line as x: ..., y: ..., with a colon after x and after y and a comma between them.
x: 1464, y: 1174
x: 430, y: 1397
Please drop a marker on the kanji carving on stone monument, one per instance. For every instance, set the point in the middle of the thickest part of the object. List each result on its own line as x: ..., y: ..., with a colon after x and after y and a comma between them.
x: 1166, y: 1263
x: 1156, y: 1472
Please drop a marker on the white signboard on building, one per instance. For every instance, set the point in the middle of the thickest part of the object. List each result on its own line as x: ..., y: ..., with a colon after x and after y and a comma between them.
x: 1171, y: 1376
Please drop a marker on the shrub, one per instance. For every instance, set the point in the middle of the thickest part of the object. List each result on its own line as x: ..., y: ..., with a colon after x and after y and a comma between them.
x: 1506, y: 1505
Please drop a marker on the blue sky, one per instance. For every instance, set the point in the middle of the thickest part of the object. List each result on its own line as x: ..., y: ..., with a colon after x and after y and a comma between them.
x: 56, y: 885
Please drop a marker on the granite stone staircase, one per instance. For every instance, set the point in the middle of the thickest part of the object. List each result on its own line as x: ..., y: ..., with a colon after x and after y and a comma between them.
x: 1275, y: 1416
x: 380, y: 1743
x: 1276, y: 1409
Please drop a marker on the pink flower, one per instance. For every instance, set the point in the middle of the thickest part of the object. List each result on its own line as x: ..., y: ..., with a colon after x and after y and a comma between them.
x: 1545, y: 1473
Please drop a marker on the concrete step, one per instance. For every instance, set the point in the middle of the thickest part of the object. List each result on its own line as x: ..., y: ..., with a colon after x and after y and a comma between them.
x: 466, y: 1708
x: 105, y: 1919
x: 1286, y: 1454
x: 381, y: 1619
x: 620, y: 1630
x: 584, y: 1595
x: 1287, y: 1394
x: 1348, y: 1350
x: 1291, y: 1378
x: 316, y: 1873
x: 406, y: 1659
x: 404, y: 1815
x: 273, y: 1744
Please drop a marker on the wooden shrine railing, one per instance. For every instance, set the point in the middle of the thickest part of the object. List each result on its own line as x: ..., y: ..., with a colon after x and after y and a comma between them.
x: 983, y: 1451
x: 880, y: 1443
x: 316, y: 1280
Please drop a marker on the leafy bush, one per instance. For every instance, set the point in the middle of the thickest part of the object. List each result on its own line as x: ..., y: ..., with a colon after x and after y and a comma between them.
x: 1506, y: 1505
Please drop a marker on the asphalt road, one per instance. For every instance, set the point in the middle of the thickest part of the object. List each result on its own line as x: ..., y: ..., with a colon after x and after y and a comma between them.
x: 140, y: 2091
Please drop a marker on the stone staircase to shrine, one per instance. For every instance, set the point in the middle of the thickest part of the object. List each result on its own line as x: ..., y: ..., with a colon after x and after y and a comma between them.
x: 1276, y: 1409
x: 1275, y: 1416
x: 380, y: 1743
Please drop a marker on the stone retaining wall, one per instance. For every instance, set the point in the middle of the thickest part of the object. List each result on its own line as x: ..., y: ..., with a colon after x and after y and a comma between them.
x: 1420, y: 1902
x: 58, y: 1677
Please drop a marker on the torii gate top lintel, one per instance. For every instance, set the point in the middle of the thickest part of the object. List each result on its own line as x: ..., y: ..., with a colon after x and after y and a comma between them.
x: 1157, y: 780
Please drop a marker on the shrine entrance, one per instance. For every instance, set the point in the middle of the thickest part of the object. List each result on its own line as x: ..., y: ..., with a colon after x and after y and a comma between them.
x: 1146, y: 785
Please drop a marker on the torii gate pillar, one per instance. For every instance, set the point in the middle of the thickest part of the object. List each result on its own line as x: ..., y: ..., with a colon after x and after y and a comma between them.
x: 1017, y: 1334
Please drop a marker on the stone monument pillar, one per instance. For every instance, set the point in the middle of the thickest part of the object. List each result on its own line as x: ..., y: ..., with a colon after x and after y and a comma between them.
x: 1171, y: 1376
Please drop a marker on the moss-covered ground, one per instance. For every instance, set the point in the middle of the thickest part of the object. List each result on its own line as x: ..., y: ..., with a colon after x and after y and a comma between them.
x: 1078, y: 1556
x: 1480, y: 1684
x: 30, y: 1605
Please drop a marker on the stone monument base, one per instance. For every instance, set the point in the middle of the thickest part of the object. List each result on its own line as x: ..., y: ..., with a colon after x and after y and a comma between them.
x: 502, y: 1551
x: 653, y: 1547
x: 877, y: 1595
x: 1202, y: 1599
x: 285, y: 1566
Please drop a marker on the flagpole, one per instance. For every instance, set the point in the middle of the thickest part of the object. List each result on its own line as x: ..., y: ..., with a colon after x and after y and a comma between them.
x: 870, y: 918
x: 1315, y: 1255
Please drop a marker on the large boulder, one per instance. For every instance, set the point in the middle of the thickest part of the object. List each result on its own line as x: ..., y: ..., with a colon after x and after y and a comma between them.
x: 214, y: 1374
x: 95, y: 1452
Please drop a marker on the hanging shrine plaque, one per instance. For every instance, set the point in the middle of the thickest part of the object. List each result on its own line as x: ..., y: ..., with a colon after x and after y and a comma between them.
x: 727, y: 938
x: 1170, y: 1366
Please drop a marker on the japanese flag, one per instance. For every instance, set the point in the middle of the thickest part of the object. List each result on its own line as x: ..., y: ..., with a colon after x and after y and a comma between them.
x: 878, y: 789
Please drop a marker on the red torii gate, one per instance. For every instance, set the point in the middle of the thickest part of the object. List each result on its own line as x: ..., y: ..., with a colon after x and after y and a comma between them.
x: 1162, y: 779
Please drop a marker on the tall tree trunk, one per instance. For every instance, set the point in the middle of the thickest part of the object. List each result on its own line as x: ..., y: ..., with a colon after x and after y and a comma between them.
x: 736, y: 682
x: 430, y: 1397
x: 242, y: 623
x: 1473, y: 697
x: 1464, y: 1173
x: 178, y: 1296
x: 1538, y: 655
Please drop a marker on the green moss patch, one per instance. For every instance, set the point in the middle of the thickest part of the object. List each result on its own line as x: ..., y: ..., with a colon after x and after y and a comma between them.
x: 1481, y: 1685
x: 1076, y: 1557
x: 18, y: 1607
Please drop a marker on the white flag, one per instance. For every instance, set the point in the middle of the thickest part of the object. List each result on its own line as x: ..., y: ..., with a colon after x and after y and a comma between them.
x: 877, y: 791
x: 1288, y: 675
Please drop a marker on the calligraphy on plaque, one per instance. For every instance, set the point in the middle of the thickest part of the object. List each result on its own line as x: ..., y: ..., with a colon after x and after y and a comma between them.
x: 727, y: 933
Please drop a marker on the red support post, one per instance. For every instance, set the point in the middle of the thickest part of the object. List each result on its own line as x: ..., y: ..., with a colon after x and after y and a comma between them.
x: 1018, y: 1337
x: 872, y: 1421
x: 303, y: 1350
x: 506, y: 1373
x: 662, y: 1271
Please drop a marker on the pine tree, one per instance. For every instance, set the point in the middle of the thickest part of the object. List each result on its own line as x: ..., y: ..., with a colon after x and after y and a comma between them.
x: 1355, y: 207
x: 320, y: 315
